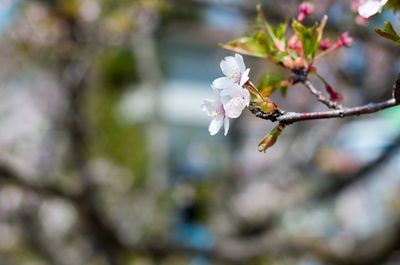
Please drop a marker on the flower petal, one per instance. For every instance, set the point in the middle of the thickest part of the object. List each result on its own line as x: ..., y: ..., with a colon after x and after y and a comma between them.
x: 246, y: 96
x: 245, y: 77
x: 226, y: 125
x: 371, y: 7
x: 216, y: 125
x: 234, y: 107
x: 232, y: 91
x: 240, y: 63
x: 229, y: 66
x: 207, y: 106
x: 222, y: 83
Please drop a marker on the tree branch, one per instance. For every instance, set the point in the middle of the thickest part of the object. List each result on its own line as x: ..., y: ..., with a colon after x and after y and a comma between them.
x: 292, y: 117
x: 286, y: 118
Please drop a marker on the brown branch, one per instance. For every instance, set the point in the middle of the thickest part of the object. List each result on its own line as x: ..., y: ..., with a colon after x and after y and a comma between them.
x: 11, y: 176
x: 340, y: 183
x: 292, y: 117
x: 318, y: 94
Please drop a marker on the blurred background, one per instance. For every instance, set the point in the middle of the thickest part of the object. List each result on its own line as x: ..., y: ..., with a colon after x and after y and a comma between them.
x: 105, y: 156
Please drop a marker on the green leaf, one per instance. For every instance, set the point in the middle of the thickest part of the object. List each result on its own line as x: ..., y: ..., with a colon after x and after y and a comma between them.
x: 277, y: 32
x: 309, y: 37
x: 269, y: 83
x: 258, y: 45
x: 388, y: 32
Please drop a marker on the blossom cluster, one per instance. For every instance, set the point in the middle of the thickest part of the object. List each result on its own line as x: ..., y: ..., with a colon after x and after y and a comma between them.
x: 230, y: 95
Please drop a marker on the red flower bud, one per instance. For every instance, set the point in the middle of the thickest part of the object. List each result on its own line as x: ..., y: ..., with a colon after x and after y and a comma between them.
x: 344, y: 40
x: 325, y: 44
x: 305, y: 9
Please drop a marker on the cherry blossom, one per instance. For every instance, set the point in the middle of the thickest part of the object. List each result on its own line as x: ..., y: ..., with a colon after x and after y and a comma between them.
x: 235, y: 72
x: 237, y: 99
x: 368, y: 8
x: 215, y: 109
x: 231, y: 97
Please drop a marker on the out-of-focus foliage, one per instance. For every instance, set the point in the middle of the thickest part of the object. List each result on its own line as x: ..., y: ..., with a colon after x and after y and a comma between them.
x: 388, y: 32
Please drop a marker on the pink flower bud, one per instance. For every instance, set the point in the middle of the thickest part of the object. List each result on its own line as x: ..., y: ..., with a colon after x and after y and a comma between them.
x: 295, y: 44
x: 305, y: 9
x: 344, y: 40
x: 325, y: 44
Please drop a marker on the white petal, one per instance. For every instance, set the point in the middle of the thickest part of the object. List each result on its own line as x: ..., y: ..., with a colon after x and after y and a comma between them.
x: 222, y: 82
x: 246, y: 96
x: 229, y: 92
x: 229, y: 66
x: 234, y: 107
x: 216, y: 125
x: 370, y: 8
x: 245, y: 77
x: 236, y: 91
x: 239, y: 100
x: 207, y: 106
x: 240, y: 63
x: 232, y: 91
x: 226, y: 125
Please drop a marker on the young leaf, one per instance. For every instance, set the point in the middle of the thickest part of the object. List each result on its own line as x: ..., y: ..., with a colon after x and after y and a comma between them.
x: 271, y: 138
x: 257, y: 45
x: 277, y: 32
x: 309, y: 37
x: 388, y: 32
x: 269, y: 83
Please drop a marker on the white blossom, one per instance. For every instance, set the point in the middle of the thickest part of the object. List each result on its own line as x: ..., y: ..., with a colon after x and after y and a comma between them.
x: 237, y: 98
x: 231, y: 97
x: 235, y: 72
x: 215, y: 109
x: 369, y: 8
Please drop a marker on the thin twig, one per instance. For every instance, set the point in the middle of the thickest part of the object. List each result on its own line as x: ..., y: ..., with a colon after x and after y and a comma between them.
x: 318, y: 94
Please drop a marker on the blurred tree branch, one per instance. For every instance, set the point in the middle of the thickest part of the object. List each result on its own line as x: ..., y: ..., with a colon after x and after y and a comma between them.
x: 232, y: 251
